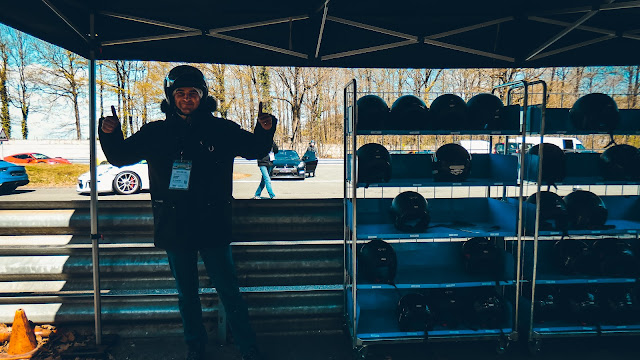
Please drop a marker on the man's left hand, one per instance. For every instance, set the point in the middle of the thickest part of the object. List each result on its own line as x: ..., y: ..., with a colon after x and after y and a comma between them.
x: 265, y: 120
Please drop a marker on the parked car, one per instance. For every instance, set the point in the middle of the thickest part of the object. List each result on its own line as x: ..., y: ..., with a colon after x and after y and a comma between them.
x: 35, y: 158
x: 124, y: 180
x: 287, y: 164
x: 12, y: 176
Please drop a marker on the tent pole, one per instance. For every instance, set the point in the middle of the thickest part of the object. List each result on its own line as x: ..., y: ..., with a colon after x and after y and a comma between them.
x: 95, y: 238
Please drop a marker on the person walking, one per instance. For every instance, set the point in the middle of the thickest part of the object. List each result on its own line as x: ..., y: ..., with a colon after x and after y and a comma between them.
x: 266, y: 166
x: 190, y: 156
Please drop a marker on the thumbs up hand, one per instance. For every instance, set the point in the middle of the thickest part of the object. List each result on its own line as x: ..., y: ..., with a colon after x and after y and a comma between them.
x: 265, y: 120
x: 110, y: 123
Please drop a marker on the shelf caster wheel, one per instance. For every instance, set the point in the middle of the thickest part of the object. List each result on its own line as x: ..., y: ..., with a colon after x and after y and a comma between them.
x: 534, y: 347
x: 502, y: 346
x: 360, y: 353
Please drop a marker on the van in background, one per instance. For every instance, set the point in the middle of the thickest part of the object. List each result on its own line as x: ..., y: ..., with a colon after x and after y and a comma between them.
x: 568, y: 144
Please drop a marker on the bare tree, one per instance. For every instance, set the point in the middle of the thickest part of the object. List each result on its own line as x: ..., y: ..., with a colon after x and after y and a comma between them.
x: 22, y: 58
x: 5, y: 119
x: 64, y: 76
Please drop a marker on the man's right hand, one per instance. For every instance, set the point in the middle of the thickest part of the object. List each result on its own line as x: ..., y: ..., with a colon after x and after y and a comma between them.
x: 111, y: 123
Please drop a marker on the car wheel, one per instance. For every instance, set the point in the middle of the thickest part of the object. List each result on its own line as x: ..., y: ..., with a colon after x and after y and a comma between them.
x: 7, y: 189
x: 126, y: 183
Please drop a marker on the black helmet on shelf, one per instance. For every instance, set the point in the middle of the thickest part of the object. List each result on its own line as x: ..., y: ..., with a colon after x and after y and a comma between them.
x: 553, y: 165
x: 488, y: 308
x: 481, y: 256
x: 573, y: 256
x: 447, y: 307
x: 410, y: 212
x: 586, y: 210
x: 553, y: 211
x: 374, y: 164
x: 620, y: 162
x: 373, y: 112
x: 413, y: 313
x: 595, y: 112
x: 545, y: 303
x: 484, y: 111
x: 409, y: 112
x: 452, y: 162
x: 620, y: 304
x: 377, y: 262
x: 582, y: 304
x: 448, y: 111
x: 615, y: 258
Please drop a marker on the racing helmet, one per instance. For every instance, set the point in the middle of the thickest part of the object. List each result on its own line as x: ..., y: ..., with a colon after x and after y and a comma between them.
x: 553, y: 163
x: 615, y: 258
x: 377, y: 262
x: 452, y: 162
x: 488, y: 308
x: 553, y: 211
x: 573, y: 256
x: 374, y: 164
x: 545, y: 303
x: 373, y: 113
x: 620, y: 304
x: 184, y: 76
x: 409, y: 112
x: 582, y: 304
x: 410, y: 212
x: 483, y: 112
x: 413, y: 313
x: 448, y: 111
x: 620, y: 162
x: 595, y: 112
x: 585, y: 210
x: 481, y: 256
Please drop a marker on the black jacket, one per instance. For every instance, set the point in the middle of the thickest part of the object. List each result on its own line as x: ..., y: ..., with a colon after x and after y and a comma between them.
x: 265, y: 161
x: 201, y: 216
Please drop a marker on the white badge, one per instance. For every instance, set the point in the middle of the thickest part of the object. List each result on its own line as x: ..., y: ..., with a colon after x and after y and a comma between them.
x: 272, y: 156
x: 180, y: 175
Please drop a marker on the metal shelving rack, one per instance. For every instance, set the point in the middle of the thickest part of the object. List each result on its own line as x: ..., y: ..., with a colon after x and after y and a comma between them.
x: 369, y: 308
x: 622, y: 222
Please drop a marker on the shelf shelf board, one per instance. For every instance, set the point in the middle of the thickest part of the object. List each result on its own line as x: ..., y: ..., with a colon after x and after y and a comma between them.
x: 431, y: 183
x: 440, y: 132
x: 435, y: 285
x: 578, y: 279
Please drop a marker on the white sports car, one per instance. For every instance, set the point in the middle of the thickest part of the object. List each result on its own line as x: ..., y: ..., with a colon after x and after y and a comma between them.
x: 125, y: 180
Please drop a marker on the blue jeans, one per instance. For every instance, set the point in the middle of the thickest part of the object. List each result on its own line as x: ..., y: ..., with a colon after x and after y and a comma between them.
x: 265, y: 181
x: 221, y: 269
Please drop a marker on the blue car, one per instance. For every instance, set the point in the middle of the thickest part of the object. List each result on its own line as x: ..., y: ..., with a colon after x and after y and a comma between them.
x: 11, y: 176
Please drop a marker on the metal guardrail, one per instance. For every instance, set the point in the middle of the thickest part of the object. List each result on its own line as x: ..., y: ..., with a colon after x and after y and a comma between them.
x: 288, y: 254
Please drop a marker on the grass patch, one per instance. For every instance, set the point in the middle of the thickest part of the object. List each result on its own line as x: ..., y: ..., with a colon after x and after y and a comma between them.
x: 59, y: 175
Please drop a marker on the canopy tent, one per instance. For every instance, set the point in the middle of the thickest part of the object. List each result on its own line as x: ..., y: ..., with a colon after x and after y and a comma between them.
x: 339, y: 33
x: 418, y: 34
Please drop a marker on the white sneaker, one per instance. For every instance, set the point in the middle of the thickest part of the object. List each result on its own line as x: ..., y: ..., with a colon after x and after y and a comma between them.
x: 257, y: 197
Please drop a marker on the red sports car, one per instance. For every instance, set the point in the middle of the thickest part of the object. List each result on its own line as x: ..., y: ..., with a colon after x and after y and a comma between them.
x: 35, y: 158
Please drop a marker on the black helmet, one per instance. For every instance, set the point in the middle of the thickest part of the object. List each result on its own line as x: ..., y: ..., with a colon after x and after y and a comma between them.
x: 582, y: 303
x: 184, y: 76
x: 447, y: 307
x: 573, y: 256
x: 481, y: 256
x: 409, y: 112
x: 377, y: 262
x: 615, y: 258
x: 484, y: 111
x: 452, y: 162
x: 545, y: 302
x: 413, y: 313
x: 374, y: 164
x: 595, y: 112
x: 620, y: 162
x: 488, y: 308
x: 586, y: 210
x: 373, y: 113
x: 553, y: 165
x: 448, y: 111
x: 620, y: 304
x: 553, y: 212
x: 410, y: 212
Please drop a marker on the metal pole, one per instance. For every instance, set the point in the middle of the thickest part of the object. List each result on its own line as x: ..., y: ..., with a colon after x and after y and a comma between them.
x: 94, y: 195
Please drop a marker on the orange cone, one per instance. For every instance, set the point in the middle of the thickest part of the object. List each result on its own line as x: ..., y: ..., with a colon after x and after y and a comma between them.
x: 23, y: 339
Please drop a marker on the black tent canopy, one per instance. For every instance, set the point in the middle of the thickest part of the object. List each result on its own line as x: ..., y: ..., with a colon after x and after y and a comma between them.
x: 346, y: 33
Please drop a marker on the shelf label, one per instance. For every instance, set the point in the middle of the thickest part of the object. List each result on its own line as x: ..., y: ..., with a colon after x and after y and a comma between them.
x: 544, y: 329
x: 591, y: 281
x: 375, y: 335
x: 455, y: 133
x: 621, y: 327
x: 414, y: 235
x: 454, y: 332
x: 453, y: 235
x: 414, y: 132
x: 456, y: 184
x: 415, y: 286
x: 549, y: 282
x: 631, y: 231
x: 596, y: 231
x: 372, y: 236
x: 494, y: 234
x: 376, y: 286
x: 554, y: 233
x: 587, y: 328
x: 416, y: 185
x: 449, y: 285
x: 496, y: 132
x: 413, y: 334
x: 376, y: 132
x: 498, y: 183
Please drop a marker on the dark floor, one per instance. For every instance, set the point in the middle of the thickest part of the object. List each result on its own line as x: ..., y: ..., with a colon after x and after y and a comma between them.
x: 336, y: 347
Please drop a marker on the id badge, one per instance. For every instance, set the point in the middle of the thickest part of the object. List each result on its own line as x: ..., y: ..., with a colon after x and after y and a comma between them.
x: 180, y: 174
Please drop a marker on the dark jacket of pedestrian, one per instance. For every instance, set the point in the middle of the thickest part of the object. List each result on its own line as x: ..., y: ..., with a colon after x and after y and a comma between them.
x: 266, y: 161
x: 200, y: 218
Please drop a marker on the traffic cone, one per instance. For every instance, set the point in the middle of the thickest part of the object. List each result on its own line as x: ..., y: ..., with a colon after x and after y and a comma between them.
x: 23, y: 339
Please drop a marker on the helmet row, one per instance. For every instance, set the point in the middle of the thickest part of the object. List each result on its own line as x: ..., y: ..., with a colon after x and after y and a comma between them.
x: 448, y: 111
x: 610, y: 257
x: 452, y: 162
x: 618, y: 163
x: 579, y: 210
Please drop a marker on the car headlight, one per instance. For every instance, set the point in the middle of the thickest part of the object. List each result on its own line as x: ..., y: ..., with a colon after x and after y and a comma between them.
x: 301, y: 164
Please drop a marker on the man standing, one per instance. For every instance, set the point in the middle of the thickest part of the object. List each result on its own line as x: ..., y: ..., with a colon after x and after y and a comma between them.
x: 190, y: 157
x: 266, y: 166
